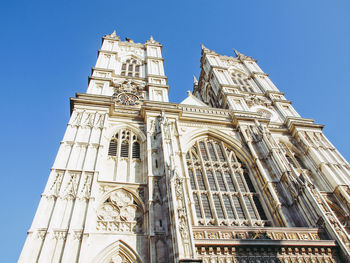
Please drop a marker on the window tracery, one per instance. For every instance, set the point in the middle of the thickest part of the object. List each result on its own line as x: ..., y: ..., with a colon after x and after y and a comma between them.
x: 241, y: 81
x: 222, y: 191
x: 123, y: 143
x: 130, y: 68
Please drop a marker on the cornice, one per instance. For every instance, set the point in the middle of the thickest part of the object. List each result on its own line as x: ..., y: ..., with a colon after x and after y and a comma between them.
x: 107, y: 52
x: 155, y: 58
x: 101, y: 69
x: 111, y: 38
x: 156, y: 76
x: 268, y: 92
x: 110, y: 80
x: 157, y: 85
x: 218, y: 67
x: 266, y: 242
x: 132, y: 44
x: 258, y: 73
x: 274, y: 101
x: 92, y: 99
x: 293, y: 123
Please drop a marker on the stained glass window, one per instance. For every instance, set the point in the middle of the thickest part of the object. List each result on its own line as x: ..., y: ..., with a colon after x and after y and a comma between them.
x: 225, y: 190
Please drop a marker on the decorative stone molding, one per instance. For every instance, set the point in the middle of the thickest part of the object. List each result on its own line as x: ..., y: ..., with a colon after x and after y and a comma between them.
x: 249, y: 233
x: 60, y: 234
x: 128, y: 93
x: 77, y: 234
x: 229, y: 254
x: 120, y: 213
x: 41, y: 233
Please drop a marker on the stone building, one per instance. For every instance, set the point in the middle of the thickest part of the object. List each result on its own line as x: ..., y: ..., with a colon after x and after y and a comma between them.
x: 231, y: 174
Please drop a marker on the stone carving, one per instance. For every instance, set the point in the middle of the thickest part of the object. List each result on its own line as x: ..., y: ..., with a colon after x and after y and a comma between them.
x: 77, y: 118
x: 86, y: 187
x: 254, y: 100
x: 71, y: 186
x: 211, y: 254
x: 128, y: 93
x: 99, y: 120
x: 60, y: 234
x: 182, y: 213
x: 120, y: 213
x: 56, y: 185
x: 77, y: 234
x: 88, y: 119
x: 40, y: 234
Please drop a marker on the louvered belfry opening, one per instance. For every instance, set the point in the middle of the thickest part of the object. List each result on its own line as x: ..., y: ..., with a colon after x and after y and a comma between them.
x: 123, y: 143
x: 221, y: 186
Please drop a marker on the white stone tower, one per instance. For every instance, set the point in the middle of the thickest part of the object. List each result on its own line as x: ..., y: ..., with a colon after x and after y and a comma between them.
x: 231, y: 174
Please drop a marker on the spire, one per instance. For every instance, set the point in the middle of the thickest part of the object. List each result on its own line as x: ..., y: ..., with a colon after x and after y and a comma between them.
x: 114, y: 34
x: 195, y: 81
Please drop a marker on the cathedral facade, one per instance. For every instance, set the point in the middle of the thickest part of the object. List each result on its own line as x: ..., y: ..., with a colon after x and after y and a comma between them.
x: 231, y: 174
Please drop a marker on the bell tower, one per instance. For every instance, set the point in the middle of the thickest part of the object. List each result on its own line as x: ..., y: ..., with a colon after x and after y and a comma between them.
x: 103, y: 202
x: 128, y: 67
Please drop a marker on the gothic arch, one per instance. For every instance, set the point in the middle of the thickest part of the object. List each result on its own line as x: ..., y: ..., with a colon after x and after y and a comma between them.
x: 111, y: 131
x: 134, y: 194
x: 222, y: 184
x: 117, y: 252
x: 221, y: 136
x: 132, y: 56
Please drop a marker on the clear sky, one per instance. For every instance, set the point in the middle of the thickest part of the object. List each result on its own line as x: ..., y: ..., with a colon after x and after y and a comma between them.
x: 49, y: 47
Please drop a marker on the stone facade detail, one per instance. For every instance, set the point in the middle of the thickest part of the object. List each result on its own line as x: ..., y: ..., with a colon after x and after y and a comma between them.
x: 231, y: 174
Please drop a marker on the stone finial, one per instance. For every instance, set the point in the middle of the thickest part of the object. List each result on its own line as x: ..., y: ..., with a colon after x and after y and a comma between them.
x: 113, y: 35
x: 195, y: 81
x: 152, y: 41
x: 189, y: 93
x: 241, y: 56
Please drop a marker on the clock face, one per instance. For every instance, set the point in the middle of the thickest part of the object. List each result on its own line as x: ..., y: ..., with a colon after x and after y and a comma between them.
x: 128, y: 99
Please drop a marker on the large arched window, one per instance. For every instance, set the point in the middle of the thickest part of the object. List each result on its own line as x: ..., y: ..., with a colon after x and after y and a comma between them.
x: 124, y: 144
x: 221, y: 187
x: 130, y: 68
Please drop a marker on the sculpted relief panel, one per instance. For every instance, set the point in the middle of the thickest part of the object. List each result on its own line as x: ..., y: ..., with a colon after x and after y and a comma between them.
x: 120, y: 212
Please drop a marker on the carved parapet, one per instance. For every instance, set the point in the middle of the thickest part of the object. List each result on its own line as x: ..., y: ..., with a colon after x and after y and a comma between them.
x: 266, y: 254
x: 115, y: 226
x: 251, y: 244
x: 256, y: 233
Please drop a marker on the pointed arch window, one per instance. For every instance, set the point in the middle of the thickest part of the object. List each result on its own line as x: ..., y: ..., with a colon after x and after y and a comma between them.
x: 222, y: 189
x: 130, y: 68
x: 123, y: 143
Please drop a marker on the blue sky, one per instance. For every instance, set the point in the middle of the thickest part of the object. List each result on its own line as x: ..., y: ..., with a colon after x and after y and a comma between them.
x: 49, y: 47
